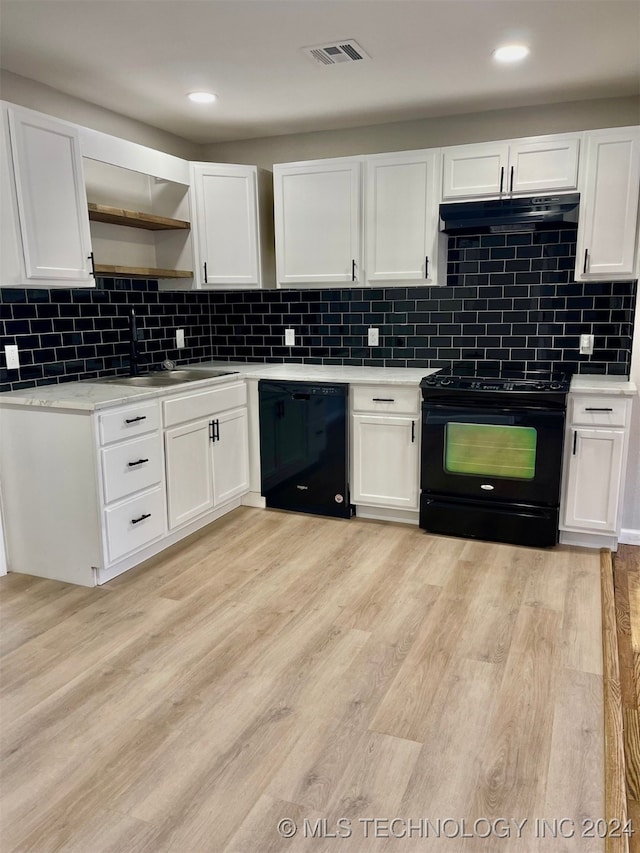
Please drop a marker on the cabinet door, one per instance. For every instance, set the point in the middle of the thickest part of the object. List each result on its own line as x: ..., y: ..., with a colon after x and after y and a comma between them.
x: 230, y: 456
x: 226, y: 225
x: 474, y: 170
x: 189, y: 480
x: 51, y: 202
x: 544, y: 165
x: 607, y: 228
x: 386, y: 461
x: 318, y: 222
x: 594, y: 478
x: 401, y: 217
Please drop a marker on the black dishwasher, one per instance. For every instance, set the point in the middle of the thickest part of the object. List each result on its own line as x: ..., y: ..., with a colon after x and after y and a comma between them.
x: 304, y: 447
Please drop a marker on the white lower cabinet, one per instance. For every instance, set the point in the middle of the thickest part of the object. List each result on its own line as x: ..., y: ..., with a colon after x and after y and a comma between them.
x: 385, y: 462
x: 385, y: 451
x: 595, y: 452
x: 595, y: 474
x: 207, y: 458
x: 104, y: 495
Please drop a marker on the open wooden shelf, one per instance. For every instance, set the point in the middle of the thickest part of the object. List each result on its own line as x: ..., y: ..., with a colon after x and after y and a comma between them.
x: 111, y: 270
x: 135, y: 219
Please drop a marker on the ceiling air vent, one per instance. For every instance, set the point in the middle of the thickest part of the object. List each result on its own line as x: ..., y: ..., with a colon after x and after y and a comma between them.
x: 347, y: 50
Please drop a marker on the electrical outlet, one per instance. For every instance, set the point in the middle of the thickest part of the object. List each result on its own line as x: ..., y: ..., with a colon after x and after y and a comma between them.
x: 373, y: 337
x: 179, y: 338
x: 11, y: 354
x: 289, y: 337
x: 586, y: 344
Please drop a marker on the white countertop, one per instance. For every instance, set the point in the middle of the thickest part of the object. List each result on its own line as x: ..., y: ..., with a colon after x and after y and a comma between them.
x: 89, y: 395
x: 583, y: 383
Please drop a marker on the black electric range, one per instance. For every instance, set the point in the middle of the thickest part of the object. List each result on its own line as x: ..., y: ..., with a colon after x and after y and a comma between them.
x: 491, y: 459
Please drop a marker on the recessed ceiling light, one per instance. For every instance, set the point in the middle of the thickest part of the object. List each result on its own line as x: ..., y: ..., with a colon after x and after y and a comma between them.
x: 511, y: 52
x: 202, y: 97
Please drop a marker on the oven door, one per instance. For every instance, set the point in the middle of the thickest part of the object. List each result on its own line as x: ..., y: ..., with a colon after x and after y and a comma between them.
x: 493, y: 452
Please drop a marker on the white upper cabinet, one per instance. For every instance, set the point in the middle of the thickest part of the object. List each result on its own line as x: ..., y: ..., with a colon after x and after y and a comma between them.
x: 318, y: 222
x: 607, y: 229
x: 46, y: 189
x: 228, y: 249
x: 522, y: 166
x: 474, y: 170
x: 401, y: 217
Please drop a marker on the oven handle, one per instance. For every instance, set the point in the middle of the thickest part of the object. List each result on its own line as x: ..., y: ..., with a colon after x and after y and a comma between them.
x: 427, y: 406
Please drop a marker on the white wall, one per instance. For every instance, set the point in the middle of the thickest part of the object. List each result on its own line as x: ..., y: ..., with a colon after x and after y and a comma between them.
x: 37, y: 96
x: 631, y: 505
x: 430, y: 133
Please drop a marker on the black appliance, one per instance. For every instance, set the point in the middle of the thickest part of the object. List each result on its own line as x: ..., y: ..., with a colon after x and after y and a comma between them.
x: 491, y: 455
x: 535, y: 213
x: 304, y: 447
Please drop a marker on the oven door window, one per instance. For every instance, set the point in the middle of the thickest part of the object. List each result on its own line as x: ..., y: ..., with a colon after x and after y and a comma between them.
x: 491, y: 450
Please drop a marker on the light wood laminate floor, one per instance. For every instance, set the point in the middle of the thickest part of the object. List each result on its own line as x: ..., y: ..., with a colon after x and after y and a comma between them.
x: 288, y: 666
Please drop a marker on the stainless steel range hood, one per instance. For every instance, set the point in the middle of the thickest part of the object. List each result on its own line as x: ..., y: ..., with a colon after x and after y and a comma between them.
x: 512, y: 214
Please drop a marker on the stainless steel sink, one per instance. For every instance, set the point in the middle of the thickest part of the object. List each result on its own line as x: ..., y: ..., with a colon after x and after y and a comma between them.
x: 166, y: 378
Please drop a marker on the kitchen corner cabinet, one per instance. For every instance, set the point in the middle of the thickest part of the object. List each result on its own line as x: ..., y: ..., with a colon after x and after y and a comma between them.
x: 610, y: 184
x: 207, y: 451
x: 385, y: 442
x: 318, y: 222
x: 595, y: 453
x: 401, y: 217
x: 45, y: 226
x: 232, y: 231
x: 527, y: 166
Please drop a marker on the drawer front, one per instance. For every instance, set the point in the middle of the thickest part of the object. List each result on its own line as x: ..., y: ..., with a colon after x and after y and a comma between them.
x: 599, y: 411
x: 131, y: 466
x: 134, y: 523
x: 385, y: 398
x: 128, y: 423
x: 178, y: 410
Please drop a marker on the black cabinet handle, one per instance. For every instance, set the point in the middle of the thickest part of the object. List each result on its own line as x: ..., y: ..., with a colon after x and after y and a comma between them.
x: 413, y: 432
x: 206, y: 280
x: 426, y: 266
x: 142, y: 518
x: 216, y: 430
x: 501, y: 177
x: 133, y: 420
x: 353, y: 270
x: 584, y: 265
x: 575, y: 442
x: 383, y: 399
x: 590, y: 409
x: 93, y: 266
x: 511, y: 184
x: 139, y: 462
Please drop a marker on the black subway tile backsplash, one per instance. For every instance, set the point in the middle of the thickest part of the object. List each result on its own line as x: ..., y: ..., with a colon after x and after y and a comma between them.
x: 506, y: 299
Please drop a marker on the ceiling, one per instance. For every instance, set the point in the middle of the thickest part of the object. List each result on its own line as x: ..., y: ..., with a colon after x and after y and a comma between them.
x: 428, y: 58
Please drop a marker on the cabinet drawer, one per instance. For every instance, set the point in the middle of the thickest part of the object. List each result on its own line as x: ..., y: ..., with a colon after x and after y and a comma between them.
x: 134, y: 523
x: 189, y: 407
x: 598, y: 411
x: 129, y: 422
x: 131, y: 466
x: 385, y: 398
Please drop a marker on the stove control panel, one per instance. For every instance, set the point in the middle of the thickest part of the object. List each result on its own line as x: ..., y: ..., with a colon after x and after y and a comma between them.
x: 496, y: 384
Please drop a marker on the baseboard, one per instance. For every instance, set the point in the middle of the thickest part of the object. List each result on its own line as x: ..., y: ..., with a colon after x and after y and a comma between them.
x: 387, y: 514
x: 589, y: 540
x: 628, y: 536
x: 254, y: 499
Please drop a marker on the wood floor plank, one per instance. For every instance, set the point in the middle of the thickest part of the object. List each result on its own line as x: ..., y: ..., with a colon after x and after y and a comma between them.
x: 281, y: 665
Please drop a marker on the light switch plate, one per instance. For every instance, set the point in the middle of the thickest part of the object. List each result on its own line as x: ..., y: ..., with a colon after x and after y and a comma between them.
x: 289, y: 337
x: 179, y: 338
x: 11, y: 354
x: 373, y: 337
